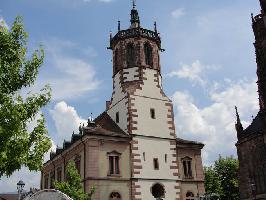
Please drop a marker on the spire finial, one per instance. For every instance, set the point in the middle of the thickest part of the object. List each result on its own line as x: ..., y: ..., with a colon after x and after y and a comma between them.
x: 134, y: 4
x: 135, y: 22
x: 238, y: 125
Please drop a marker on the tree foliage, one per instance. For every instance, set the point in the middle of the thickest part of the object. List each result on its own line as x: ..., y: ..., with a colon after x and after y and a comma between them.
x: 222, y: 178
x: 72, y: 186
x: 20, y: 146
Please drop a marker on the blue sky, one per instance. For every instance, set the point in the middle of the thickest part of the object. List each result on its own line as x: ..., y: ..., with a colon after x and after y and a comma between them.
x: 208, y: 66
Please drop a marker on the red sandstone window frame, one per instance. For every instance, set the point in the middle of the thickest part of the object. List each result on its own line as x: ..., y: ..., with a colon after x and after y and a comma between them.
x: 114, y: 158
x: 187, y: 167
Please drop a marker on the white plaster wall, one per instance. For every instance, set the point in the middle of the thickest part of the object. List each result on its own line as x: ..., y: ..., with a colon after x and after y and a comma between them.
x: 145, y: 189
x: 147, y: 126
x: 155, y: 148
x: 119, y: 94
x: 131, y: 73
x: 150, y: 89
x: 120, y: 107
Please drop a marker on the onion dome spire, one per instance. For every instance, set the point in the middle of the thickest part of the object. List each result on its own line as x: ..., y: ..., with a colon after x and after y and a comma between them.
x: 135, y: 22
x: 238, y: 125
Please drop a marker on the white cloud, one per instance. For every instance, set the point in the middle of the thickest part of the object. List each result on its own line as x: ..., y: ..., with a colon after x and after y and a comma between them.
x: 3, y: 22
x: 178, y: 13
x: 214, y: 124
x: 66, y: 121
x: 194, y: 73
x: 69, y: 76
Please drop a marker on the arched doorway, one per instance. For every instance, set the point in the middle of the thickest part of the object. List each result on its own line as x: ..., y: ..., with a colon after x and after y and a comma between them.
x: 158, y: 191
x: 115, y: 196
x: 190, y: 196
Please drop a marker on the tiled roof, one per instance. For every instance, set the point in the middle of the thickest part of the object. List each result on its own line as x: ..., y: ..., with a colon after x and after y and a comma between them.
x: 188, y: 142
x: 103, y: 125
x: 258, y: 124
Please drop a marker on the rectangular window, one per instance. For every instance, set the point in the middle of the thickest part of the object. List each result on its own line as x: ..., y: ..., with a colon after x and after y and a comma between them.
x: 77, y: 164
x: 46, y: 181
x: 114, y: 168
x: 156, y: 163
x: 59, y: 174
x: 152, y: 112
x: 117, y: 165
x: 117, y: 117
x: 52, y: 178
x: 187, y: 168
x: 165, y: 158
x: 144, y: 156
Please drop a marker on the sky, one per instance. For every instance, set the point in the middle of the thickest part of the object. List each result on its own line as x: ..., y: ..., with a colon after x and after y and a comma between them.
x: 208, y: 67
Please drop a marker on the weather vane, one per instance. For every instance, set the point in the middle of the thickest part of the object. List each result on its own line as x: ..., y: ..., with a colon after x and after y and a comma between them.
x: 134, y: 3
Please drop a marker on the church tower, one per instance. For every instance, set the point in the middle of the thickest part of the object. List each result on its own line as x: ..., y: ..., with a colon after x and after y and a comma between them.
x: 251, y: 144
x: 142, y: 110
x: 259, y: 28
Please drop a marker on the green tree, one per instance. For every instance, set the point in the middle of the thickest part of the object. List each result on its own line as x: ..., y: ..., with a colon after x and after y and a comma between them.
x: 18, y: 71
x: 222, y: 178
x: 212, y: 181
x: 72, y: 186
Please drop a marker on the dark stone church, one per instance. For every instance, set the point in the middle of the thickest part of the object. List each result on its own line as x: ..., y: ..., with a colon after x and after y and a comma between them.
x: 251, y: 144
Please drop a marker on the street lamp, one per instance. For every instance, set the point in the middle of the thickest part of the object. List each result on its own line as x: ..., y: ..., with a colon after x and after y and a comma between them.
x: 20, y: 186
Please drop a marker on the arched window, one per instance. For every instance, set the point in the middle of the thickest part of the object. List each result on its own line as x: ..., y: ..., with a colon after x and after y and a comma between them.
x: 158, y: 191
x: 148, y: 54
x: 190, y: 196
x: 115, y: 196
x: 116, y: 58
x: 130, y: 55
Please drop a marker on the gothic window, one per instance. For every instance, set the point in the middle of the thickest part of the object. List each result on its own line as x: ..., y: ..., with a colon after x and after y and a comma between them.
x: 156, y: 164
x: 187, y: 167
x: 46, y: 181
x: 59, y: 174
x: 158, y: 191
x: 152, y: 112
x: 116, y: 61
x: 77, y: 163
x: 148, y: 54
x: 130, y: 55
x: 117, y: 117
x: 115, y: 196
x: 114, y: 163
x: 190, y: 196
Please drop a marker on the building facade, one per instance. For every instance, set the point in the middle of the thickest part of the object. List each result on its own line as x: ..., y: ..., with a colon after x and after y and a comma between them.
x: 131, y: 151
x: 251, y: 144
